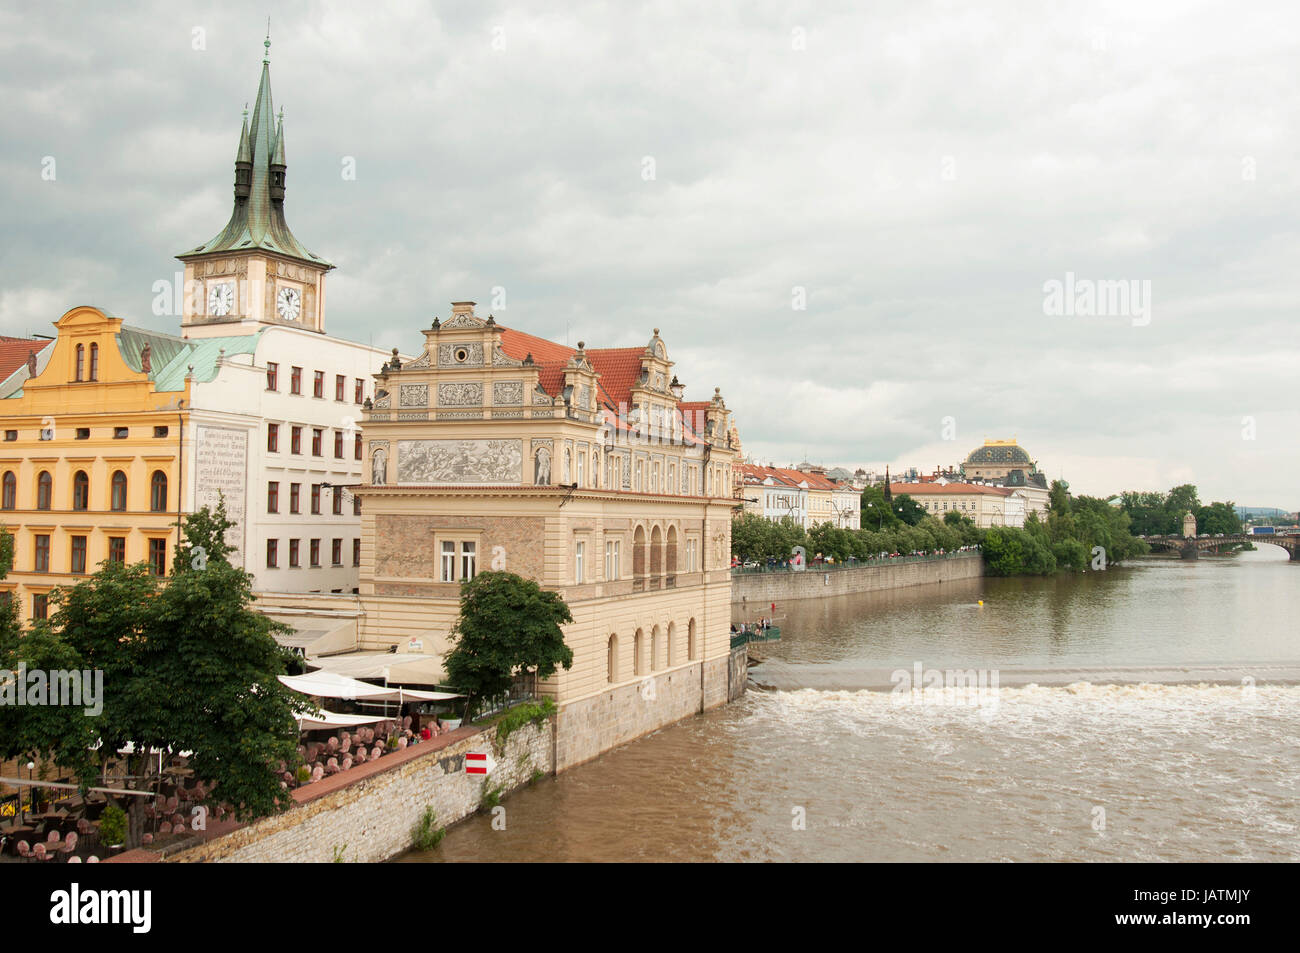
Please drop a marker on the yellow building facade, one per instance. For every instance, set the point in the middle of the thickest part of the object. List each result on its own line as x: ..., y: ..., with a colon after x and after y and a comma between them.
x: 90, y: 463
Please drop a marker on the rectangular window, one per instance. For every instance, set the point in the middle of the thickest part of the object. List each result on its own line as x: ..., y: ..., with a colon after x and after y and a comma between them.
x: 78, y: 554
x: 611, y: 559
x: 338, y: 445
x: 340, y: 386
x: 448, y: 561
x: 356, y: 506
x: 158, y: 557
x: 315, y: 499
x: 318, y: 384
x: 295, y: 380
x: 83, y: 433
x: 337, y: 494
x: 272, y: 553
x: 356, y: 447
x: 120, y: 433
x: 160, y: 432
x: 336, y: 552
x: 294, y: 548
x: 42, y: 559
x: 468, y: 561
x: 117, y: 549
x: 579, y: 551
x: 295, y: 440
x: 359, y: 392
x: 295, y: 497
x: 272, y: 376
x: 273, y: 496
x: 11, y: 435
x: 582, y: 458
x: 315, y: 553
x: 40, y: 605
x: 356, y: 552
x: 316, y: 435
x: 272, y: 438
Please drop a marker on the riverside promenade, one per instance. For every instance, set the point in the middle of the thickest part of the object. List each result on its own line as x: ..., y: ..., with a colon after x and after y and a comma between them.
x: 759, y: 587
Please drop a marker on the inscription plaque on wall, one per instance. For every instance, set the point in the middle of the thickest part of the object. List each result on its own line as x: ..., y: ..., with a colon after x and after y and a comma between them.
x: 459, y: 461
x: 221, y: 467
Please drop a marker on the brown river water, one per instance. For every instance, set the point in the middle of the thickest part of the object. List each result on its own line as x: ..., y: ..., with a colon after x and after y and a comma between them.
x: 1149, y: 713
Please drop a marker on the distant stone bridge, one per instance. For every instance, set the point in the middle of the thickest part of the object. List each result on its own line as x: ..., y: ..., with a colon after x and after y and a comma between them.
x: 1191, y: 547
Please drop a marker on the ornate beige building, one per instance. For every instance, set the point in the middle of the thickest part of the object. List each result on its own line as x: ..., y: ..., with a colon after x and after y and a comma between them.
x: 580, y: 469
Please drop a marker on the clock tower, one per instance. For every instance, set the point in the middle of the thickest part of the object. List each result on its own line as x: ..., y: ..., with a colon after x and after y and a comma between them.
x: 255, y: 272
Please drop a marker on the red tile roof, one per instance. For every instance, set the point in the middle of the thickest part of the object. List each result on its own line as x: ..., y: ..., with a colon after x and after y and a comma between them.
x: 518, y: 344
x: 788, y: 477
x: 619, y: 369
x: 14, y: 351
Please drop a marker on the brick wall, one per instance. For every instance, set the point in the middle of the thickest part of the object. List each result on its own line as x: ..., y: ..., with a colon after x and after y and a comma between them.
x: 758, y: 589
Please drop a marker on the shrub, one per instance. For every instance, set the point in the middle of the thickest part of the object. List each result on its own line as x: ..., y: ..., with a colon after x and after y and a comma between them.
x: 529, y: 712
x: 112, y: 826
x: 426, y: 835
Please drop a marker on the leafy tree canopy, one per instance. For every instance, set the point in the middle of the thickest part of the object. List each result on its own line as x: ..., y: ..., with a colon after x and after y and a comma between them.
x: 508, y: 626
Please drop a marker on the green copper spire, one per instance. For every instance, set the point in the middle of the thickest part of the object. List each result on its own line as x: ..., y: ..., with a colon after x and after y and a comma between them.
x: 245, y: 153
x: 257, y: 221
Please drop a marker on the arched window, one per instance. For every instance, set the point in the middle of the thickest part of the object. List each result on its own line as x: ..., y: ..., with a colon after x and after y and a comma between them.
x: 118, y: 501
x: 637, y: 662
x: 94, y: 362
x: 158, y: 492
x: 44, y: 490
x: 80, y: 491
x: 691, y: 648
x: 670, y: 553
x: 9, y: 498
x: 611, y: 659
x: 81, y: 363
x: 672, y: 635
x: 656, y: 553
x: 654, y: 648
x: 638, y: 553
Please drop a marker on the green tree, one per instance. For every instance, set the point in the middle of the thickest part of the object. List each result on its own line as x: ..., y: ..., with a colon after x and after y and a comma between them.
x: 908, y: 510
x: 188, y: 665
x: 876, y: 513
x: 508, y: 627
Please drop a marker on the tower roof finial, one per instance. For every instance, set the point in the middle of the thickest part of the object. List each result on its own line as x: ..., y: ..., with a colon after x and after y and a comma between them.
x: 266, y: 57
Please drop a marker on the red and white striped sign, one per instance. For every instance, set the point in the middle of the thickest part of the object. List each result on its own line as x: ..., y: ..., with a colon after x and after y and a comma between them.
x: 478, y: 762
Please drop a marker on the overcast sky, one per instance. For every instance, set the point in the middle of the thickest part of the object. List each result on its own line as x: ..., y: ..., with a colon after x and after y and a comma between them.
x: 919, y: 174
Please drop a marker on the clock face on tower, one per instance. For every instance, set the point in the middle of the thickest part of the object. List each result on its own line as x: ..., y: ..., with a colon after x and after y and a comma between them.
x: 221, y: 298
x: 288, y: 304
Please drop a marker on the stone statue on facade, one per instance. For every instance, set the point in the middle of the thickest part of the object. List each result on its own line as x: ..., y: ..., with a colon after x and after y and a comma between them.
x: 542, y: 467
x: 379, y: 468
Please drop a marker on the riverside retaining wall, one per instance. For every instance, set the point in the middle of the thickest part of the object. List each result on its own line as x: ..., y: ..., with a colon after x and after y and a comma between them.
x: 370, y: 818
x: 757, y: 589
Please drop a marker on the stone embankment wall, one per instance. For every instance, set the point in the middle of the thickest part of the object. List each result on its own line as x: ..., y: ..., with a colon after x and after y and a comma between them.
x: 369, y: 817
x: 757, y: 589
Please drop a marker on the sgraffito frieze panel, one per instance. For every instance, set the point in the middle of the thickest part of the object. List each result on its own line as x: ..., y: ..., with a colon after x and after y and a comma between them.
x: 413, y: 395
x: 508, y: 393
x: 469, y: 354
x: 459, y: 461
x: 464, y: 394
